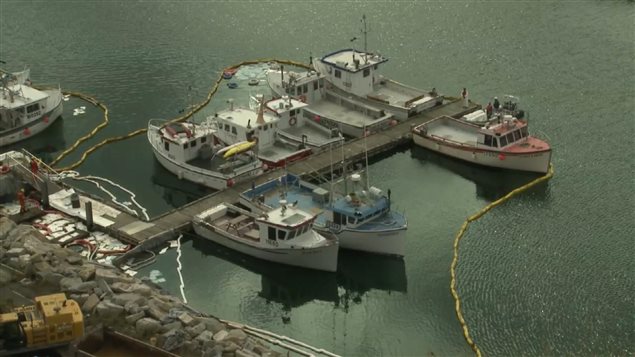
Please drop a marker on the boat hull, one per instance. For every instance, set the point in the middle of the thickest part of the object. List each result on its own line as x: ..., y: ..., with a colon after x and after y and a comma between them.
x: 388, y: 242
x: 33, y: 127
x: 534, y: 162
x: 321, y: 258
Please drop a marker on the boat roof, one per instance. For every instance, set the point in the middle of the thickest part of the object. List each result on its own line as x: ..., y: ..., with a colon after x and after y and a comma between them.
x: 185, y: 132
x: 25, y: 95
x: 282, y: 105
x: 298, y: 77
x: 291, y: 216
x: 504, y: 127
x: 241, y: 117
x: 366, y: 208
x: 344, y: 59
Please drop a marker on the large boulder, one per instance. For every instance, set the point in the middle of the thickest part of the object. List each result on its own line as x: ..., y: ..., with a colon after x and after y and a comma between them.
x: 212, y: 324
x: 128, y: 298
x: 137, y: 288
x: 90, y: 303
x: 108, y: 311
x: 236, y: 335
x: 6, y: 226
x: 147, y: 326
x: 67, y: 284
x: 5, y: 277
x: 82, y: 287
x: 196, y: 329
x: 172, y: 340
x: 110, y: 276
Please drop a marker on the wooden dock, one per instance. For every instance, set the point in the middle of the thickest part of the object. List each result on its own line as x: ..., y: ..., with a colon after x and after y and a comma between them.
x: 130, y: 229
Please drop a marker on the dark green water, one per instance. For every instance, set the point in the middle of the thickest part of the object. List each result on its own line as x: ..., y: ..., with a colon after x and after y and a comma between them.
x: 550, y: 272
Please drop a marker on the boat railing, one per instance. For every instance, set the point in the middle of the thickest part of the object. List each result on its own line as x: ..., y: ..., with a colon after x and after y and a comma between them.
x: 454, y: 142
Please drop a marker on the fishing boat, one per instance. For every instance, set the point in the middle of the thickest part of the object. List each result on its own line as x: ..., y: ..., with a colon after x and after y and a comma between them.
x: 236, y: 125
x: 24, y: 110
x: 505, y: 143
x: 283, y: 235
x: 362, y: 219
x: 357, y: 73
x: 189, y: 151
x: 297, y: 125
x: 337, y: 112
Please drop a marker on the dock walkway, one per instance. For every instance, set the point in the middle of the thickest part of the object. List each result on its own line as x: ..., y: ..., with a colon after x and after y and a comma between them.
x: 131, y: 229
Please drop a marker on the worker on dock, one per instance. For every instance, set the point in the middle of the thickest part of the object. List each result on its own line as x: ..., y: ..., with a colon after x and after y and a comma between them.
x: 465, y: 98
x: 22, y: 200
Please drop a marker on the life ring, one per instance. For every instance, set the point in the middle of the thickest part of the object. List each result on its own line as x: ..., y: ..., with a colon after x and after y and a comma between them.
x: 293, y: 121
x: 5, y: 169
x: 303, y: 98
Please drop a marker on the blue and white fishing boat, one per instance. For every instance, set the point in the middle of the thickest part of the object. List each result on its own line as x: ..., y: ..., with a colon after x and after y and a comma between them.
x: 362, y: 219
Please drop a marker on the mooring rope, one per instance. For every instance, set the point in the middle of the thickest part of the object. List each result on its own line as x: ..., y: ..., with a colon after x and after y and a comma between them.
x: 180, y: 267
x: 455, y: 259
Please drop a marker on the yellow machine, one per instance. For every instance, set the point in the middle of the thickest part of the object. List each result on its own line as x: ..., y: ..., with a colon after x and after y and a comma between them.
x: 53, y: 320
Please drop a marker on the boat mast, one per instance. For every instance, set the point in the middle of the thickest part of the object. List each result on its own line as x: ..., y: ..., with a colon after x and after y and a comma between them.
x: 366, y: 154
x: 365, y: 33
x: 344, y: 168
x: 331, y: 191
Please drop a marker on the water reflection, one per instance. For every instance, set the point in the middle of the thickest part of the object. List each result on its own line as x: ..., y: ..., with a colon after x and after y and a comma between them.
x: 292, y: 287
x: 45, y: 145
x: 177, y: 192
x: 491, y: 183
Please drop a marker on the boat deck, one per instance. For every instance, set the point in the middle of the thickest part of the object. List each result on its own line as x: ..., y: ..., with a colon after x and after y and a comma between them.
x: 279, y: 151
x: 315, y: 136
x: 343, y: 114
x: 397, y: 96
x: 218, y: 163
x: 453, y: 133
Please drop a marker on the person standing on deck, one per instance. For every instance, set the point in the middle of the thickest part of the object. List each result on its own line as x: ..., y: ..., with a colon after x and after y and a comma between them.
x: 489, y: 109
x: 465, y: 99
x: 497, y: 104
x: 22, y: 200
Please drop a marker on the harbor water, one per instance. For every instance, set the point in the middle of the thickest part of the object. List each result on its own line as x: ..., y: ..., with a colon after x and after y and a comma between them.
x: 550, y: 272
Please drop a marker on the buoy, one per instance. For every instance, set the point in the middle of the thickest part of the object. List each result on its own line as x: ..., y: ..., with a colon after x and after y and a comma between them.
x: 46, y: 120
x: 232, y: 85
x: 230, y: 183
x: 501, y: 156
x: 393, y: 122
x: 27, y: 131
x: 317, y: 118
x: 5, y: 169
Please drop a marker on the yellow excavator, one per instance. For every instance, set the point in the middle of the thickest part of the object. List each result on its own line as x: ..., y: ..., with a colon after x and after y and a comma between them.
x: 54, y: 320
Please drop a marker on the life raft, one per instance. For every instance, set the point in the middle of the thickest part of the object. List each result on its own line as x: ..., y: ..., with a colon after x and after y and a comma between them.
x: 293, y: 121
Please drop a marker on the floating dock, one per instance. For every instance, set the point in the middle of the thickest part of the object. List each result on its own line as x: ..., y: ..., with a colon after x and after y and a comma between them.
x: 148, y: 234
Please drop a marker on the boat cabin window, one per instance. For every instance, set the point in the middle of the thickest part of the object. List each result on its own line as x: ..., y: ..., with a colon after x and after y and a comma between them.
x: 488, y: 140
x: 264, y: 127
x: 338, y: 73
x: 503, y: 141
x: 272, y: 233
x: 193, y: 143
x: 321, y: 83
x: 524, y: 132
x: 516, y: 135
x: 351, y: 220
x: 33, y: 108
x: 315, y: 85
x: 226, y: 127
x: 305, y: 88
x: 185, y: 146
x: 366, y: 72
x: 338, y: 218
x: 281, y: 234
x: 292, y: 112
x: 494, y: 142
x: 234, y: 130
x: 292, y: 234
x: 375, y: 67
x: 510, y: 138
x: 204, y: 139
x: 292, y: 91
x: 166, y: 145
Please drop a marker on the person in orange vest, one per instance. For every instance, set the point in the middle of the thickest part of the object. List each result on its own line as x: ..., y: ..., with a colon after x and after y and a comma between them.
x: 34, y: 167
x: 22, y: 200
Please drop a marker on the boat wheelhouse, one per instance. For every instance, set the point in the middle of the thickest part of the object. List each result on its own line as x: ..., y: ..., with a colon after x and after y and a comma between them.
x: 334, y: 111
x: 361, y: 219
x: 506, y: 144
x: 24, y: 110
x: 283, y: 235
x: 239, y: 124
x: 188, y: 150
x: 352, y: 72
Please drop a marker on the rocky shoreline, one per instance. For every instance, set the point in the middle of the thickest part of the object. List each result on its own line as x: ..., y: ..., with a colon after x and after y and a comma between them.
x: 122, y: 303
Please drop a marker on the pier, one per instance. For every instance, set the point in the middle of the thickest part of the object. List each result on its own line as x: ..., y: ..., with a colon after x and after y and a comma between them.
x: 148, y: 234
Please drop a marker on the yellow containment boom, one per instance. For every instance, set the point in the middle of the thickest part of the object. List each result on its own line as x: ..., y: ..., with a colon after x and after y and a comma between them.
x: 238, y: 148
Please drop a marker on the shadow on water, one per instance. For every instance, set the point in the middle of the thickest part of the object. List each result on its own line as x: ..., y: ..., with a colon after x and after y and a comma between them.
x: 293, y: 287
x: 491, y: 183
x: 45, y: 145
x: 177, y: 192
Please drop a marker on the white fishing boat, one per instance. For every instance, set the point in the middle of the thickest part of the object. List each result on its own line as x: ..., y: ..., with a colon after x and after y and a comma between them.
x: 296, y: 125
x: 357, y: 73
x: 188, y: 150
x: 235, y: 125
x: 284, y: 235
x: 329, y: 109
x: 505, y: 144
x: 24, y: 110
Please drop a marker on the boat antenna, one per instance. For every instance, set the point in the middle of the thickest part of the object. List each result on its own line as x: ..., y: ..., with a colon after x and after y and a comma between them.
x: 191, y: 120
x: 366, y: 154
x: 331, y: 155
x: 344, y: 166
x: 365, y: 29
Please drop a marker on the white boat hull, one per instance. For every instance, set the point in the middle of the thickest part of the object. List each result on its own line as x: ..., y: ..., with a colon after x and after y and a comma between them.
x: 389, y: 242
x: 34, y: 127
x: 321, y: 258
x: 535, y: 162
